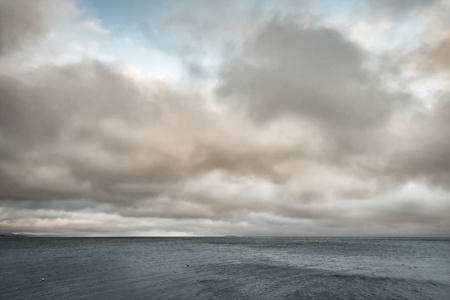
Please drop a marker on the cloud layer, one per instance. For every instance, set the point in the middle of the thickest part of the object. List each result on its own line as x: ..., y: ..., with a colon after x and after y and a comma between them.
x: 302, y: 132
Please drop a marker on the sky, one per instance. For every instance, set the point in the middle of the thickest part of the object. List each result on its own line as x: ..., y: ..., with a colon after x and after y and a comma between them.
x: 210, y: 118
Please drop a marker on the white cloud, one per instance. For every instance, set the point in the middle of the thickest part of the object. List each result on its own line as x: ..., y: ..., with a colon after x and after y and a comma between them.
x: 95, y: 25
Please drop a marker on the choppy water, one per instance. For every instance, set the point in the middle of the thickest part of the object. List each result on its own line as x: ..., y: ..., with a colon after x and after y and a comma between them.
x: 224, y: 268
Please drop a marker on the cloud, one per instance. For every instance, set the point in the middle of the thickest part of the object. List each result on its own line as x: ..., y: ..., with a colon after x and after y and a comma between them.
x: 95, y: 25
x: 314, y: 74
x: 299, y: 136
x: 428, y: 57
x: 432, y: 59
x: 90, y: 139
x: 423, y: 150
x: 23, y: 22
x: 398, y: 7
x: 202, y: 34
x: 81, y: 129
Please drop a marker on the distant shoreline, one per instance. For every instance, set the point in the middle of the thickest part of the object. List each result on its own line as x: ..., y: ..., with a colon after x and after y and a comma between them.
x: 12, y: 235
x: 16, y: 235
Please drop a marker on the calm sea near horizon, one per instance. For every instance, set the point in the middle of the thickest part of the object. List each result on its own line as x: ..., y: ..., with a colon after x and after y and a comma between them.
x: 225, y: 268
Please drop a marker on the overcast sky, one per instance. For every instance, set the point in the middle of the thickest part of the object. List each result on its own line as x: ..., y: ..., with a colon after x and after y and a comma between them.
x: 174, y: 118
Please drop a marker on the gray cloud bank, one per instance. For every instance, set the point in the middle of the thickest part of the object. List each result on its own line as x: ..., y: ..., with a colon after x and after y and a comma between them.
x: 299, y: 137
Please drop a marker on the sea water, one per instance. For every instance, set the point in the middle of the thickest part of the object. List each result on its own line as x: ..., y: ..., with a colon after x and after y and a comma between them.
x: 224, y: 268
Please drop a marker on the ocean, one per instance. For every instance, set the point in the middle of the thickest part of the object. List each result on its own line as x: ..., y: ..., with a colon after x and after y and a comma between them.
x: 225, y: 268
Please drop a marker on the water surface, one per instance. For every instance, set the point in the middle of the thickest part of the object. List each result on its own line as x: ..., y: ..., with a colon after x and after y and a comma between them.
x: 224, y: 268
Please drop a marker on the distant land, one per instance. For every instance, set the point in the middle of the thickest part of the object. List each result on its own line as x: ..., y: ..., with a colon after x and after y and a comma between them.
x: 21, y: 235
x: 12, y: 235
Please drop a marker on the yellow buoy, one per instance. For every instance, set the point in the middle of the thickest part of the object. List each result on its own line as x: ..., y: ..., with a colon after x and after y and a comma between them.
x: 43, y: 279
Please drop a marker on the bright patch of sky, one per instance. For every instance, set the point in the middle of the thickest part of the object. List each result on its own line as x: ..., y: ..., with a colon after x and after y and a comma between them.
x: 126, y: 41
x: 120, y: 28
